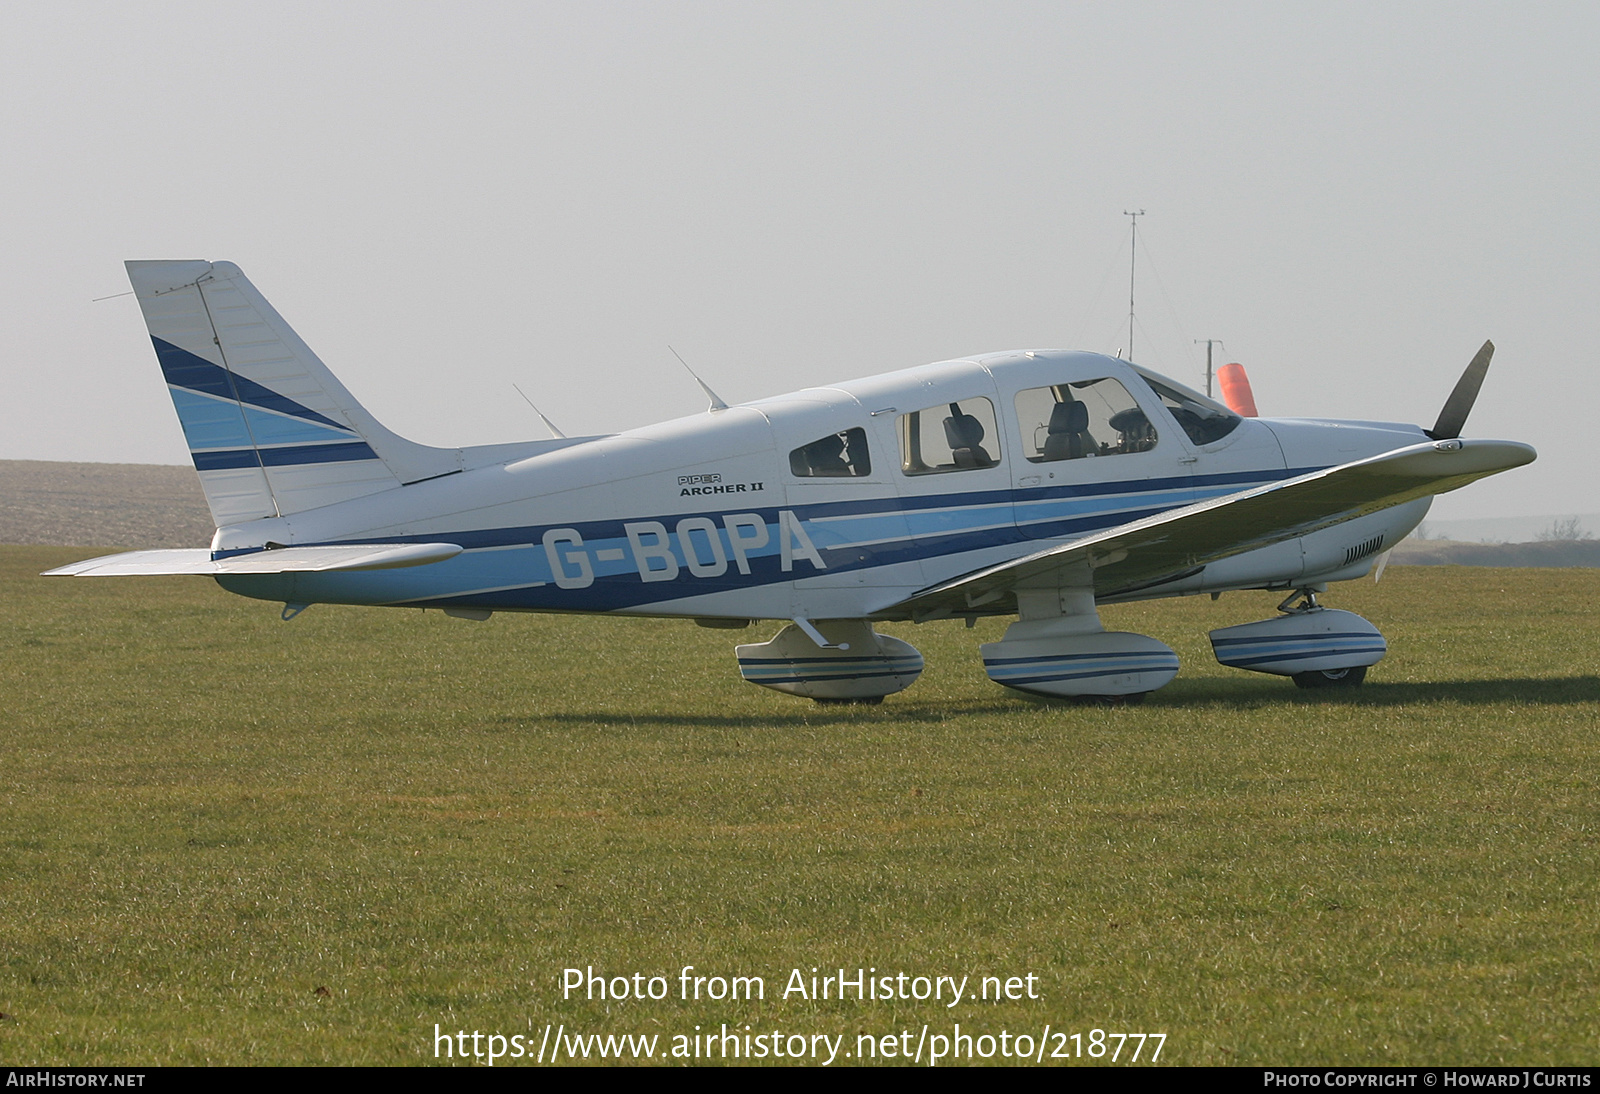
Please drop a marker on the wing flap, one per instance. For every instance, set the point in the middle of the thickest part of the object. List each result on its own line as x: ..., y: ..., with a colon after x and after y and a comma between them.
x: 282, y: 560
x: 1169, y: 545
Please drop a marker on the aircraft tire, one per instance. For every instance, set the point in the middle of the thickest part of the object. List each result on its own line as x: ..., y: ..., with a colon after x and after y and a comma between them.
x: 1131, y: 700
x: 1331, y: 678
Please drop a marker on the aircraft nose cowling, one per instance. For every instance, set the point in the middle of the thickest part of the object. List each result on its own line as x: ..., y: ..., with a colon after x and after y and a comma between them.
x: 1311, y: 444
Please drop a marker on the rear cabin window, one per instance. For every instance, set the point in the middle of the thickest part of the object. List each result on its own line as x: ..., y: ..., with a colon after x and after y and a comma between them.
x: 1078, y: 420
x: 959, y: 436
x: 836, y: 456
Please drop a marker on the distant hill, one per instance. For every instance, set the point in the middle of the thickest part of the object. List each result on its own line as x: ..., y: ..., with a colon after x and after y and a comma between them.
x: 102, y: 505
x: 1444, y: 552
x: 154, y: 505
x: 1506, y: 529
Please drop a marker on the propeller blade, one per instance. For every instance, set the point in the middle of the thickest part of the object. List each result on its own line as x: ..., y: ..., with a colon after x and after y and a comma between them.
x: 1456, y: 408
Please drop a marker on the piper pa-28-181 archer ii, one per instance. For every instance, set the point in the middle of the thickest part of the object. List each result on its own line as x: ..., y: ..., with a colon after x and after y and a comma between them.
x: 1037, y: 484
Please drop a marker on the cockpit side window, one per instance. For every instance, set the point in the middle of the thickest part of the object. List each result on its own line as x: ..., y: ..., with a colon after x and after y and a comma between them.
x: 1203, y: 419
x: 958, y: 436
x: 1076, y: 420
x: 838, y: 455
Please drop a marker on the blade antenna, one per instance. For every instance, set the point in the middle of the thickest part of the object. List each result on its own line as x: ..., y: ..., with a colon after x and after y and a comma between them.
x: 1453, y: 418
x: 716, y: 400
x: 548, y: 424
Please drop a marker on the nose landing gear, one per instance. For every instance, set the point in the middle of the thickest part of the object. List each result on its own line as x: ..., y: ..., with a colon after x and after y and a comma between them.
x: 1331, y: 678
x: 1317, y: 647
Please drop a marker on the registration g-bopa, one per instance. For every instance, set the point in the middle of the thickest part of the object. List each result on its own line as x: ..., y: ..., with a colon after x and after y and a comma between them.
x: 1035, y: 484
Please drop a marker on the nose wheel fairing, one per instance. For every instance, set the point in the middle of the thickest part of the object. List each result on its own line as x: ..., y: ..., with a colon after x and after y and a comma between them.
x: 1319, y: 647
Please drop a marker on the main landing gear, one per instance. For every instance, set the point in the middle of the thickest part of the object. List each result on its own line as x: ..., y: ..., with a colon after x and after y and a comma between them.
x: 1058, y: 648
x: 832, y: 661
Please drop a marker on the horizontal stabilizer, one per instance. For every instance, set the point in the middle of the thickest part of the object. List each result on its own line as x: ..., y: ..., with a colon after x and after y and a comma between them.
x: 283, y: 560
x: 1172, y: 544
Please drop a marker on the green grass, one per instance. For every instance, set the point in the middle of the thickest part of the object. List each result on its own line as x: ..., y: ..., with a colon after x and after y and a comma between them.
x: 208, y: 814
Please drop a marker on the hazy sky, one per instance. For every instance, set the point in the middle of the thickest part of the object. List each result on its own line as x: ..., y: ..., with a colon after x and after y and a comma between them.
x: 447, y: 199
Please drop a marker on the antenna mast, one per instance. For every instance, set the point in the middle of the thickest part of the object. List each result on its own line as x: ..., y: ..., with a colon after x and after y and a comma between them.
x: 1209, y: 343
x: 1133, y: 251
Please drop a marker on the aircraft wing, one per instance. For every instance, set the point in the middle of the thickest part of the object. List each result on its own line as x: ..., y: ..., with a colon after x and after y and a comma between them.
x: 1170, y: 545
x: 280, y: 560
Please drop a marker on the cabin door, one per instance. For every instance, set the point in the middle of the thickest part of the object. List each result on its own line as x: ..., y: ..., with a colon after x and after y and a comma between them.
x: 1095, y: 453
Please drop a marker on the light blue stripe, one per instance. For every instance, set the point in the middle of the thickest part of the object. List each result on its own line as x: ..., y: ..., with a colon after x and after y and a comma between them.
x: 210, y: 422
x: 1046, y: 509
x: 923, y: 523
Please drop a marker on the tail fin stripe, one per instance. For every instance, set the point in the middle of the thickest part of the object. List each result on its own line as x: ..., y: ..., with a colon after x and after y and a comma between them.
x: 288, y: 456
x: 210, y: 422
x: 213, y: 422
x: 316, y: 453
x: 225, y: 461
x: 271, y: 429
x: 184, y: 369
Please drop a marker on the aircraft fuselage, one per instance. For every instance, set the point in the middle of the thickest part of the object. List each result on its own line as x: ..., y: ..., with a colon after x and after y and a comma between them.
x: 835, y: 502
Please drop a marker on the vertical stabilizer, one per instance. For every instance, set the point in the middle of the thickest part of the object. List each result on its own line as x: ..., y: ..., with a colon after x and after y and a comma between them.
x: 271, y: 430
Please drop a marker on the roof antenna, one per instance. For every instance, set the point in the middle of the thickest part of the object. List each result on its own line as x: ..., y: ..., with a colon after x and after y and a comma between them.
x: 716, y: 400
x: 548, y: 424
x: 1133, y: 252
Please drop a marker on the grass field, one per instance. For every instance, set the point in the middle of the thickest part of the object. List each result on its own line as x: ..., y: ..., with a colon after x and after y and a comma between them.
x: 209, y: 815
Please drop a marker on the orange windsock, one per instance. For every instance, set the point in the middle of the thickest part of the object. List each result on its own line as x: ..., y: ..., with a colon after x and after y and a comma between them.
x: 1236, y: 390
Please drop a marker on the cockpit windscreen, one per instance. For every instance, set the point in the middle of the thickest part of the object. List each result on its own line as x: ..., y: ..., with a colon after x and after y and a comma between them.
x: 1203, y: 419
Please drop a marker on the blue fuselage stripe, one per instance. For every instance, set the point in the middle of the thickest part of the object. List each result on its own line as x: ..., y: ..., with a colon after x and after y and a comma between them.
x: 520, y: 575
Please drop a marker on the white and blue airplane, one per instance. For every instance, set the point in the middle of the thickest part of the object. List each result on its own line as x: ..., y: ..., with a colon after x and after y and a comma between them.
x: 1037, y: 484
